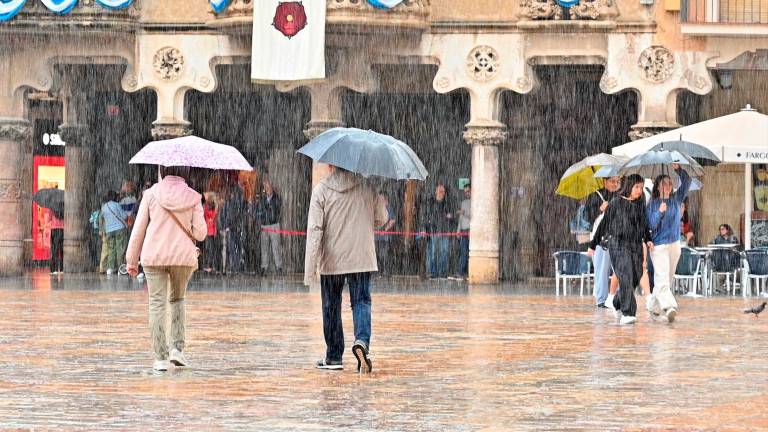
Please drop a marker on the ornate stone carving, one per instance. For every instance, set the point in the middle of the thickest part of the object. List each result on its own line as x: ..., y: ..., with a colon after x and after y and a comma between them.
x: 541, y: 9
x: 75, y: 135
x: 483, y: 63
x: 204, y: 81
x: 523, y: 83
x: 170, y: 130
x: 168, y: 63
x: 416, y: 7
x: 131, y: 81
x: 315, y: 128
x: 10, y: 190
x: 443, y: 83
x: 608, y: 83
x: 640, y: 132
x: 586, y: 9
x: 15, y: 130
x: 657, y: 63
x: 486, y: 135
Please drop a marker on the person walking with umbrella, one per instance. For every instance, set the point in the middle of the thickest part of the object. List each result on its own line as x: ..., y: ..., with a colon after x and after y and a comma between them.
x: 664, y: 213
x: 344, y: 211
x: 625, y: 226
x: 597, y: 203
x: 169, y: 222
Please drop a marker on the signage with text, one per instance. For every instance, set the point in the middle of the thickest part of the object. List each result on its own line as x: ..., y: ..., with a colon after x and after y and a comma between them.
x: 746, y: 154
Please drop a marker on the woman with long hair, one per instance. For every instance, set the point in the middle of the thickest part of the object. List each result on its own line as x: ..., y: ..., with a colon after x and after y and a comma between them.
x: 664, y: 212
x: 169, y: 222
x: 625, y: 228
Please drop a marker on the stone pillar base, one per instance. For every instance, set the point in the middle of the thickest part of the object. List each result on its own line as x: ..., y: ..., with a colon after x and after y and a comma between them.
x: 11, y: 258
x: 483, y: 270
x: 76, y: 256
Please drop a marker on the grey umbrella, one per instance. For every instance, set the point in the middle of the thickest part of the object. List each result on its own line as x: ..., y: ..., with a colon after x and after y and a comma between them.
x: 657, y: 162
x: 698, y: 152
x: 367, y: 153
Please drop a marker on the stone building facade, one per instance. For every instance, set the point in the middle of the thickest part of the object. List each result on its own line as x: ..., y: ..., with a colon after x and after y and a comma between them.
x: 506, y: 79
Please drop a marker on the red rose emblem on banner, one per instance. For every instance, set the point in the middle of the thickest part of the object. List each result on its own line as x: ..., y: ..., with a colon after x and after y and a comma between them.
x: 290, y: 18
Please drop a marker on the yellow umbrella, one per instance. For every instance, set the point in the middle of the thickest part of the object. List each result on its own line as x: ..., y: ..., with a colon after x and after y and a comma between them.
x: 579, y: 180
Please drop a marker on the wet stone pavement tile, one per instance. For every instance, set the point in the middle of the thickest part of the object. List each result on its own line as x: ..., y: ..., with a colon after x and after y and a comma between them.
x: 75, y: 354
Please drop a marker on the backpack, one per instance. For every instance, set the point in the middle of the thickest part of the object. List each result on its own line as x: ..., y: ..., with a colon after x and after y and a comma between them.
x: 579, y: 223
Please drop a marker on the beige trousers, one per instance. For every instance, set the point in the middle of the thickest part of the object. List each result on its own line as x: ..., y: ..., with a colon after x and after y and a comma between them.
x: 167, y: 285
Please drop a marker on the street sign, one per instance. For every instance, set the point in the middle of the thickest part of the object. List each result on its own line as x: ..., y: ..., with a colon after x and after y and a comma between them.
x: 756, y: 155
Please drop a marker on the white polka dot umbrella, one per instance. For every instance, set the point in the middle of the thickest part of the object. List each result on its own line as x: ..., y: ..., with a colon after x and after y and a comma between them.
x: 191, y: 151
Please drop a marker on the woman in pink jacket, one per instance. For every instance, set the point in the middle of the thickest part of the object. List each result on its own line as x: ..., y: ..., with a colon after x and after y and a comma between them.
x: 169, y: 221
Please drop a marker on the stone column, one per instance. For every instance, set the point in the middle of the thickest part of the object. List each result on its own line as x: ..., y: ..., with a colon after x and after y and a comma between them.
x: 313, y: 129
x: 13, y: 133
x: 79, y: 196
x: 485, y: 139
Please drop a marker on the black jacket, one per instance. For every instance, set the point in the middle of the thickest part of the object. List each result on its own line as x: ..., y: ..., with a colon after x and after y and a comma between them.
x: 624, y: 223
x: 268, y: 211
x: 594, y: 202
x: 435, y: 216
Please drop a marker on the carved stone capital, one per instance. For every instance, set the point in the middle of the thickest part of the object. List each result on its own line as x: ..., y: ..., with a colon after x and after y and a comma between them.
x: 641, y: 131
x: 315, y: 128
x: 75, y: 135
x: 15, y: 129
x: 164, y: 131
x: 486, y: 135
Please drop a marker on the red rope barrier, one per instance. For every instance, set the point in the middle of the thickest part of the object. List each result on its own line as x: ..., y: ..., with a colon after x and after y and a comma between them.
x: 392, y: 233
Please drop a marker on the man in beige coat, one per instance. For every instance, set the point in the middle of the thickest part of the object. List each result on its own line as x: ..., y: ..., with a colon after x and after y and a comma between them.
x: 343, y: 213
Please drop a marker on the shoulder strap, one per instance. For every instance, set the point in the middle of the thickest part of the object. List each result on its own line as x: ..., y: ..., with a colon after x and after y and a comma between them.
x: 116, y: 217
x: 600, y: 195
x: 178, y: 222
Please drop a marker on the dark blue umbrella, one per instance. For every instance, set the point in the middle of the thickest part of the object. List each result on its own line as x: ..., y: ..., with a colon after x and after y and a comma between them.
x: 366, y: 153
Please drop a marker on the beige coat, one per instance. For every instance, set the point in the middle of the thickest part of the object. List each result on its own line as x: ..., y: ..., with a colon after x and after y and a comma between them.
x: 343, y: 213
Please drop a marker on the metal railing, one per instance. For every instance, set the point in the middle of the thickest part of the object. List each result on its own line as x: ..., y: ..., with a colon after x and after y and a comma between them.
x: 724, y: 11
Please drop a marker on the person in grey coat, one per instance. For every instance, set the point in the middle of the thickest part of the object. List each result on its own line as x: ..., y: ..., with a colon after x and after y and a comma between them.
x: 343, y: 213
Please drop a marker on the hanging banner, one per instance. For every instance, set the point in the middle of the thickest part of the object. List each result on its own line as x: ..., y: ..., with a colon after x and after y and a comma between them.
x: 9, y: 8
x: 384, y: 4
x: 288, y: 41
x: 219, y: 5
x: 60, y: 7
x: 114, y: 4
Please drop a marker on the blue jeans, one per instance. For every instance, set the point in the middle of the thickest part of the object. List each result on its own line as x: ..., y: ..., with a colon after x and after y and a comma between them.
x: 437, y: 256
x: 235, y: 245
x: 359, y: 296
x: 602, y: 263
x: 464, y: 255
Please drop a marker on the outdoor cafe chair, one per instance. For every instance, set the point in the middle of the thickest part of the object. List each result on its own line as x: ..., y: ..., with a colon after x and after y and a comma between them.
x: 756, y: 269
x: 688, y: 269
x: 725, y: 262
x: 570, y: 265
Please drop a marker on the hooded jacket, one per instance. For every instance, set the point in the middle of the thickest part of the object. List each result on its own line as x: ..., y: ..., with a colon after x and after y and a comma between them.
x: 156, y: 237
x: 343, y: 214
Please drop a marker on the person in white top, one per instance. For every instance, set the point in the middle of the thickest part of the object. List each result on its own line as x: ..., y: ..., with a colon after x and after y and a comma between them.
x: 465, y: 215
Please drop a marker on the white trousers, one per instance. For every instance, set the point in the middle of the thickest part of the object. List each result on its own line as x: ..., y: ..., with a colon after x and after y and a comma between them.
x: 664, y: 259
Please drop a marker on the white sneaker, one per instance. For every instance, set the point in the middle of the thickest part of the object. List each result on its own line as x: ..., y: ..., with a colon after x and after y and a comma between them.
x: 609, y: 302
x: 140, y: 277
x: 617, y: 313
x: 177, y: 358
x: 671, y: 313
x: 109, y: 272
x: 161, y: 365
x: 650, y: 299
x: 625, y: 320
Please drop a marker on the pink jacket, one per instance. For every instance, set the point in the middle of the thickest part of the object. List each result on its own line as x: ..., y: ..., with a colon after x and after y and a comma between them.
x: 156, y: 237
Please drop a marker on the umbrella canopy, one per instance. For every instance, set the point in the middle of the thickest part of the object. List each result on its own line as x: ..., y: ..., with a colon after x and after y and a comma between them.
x: 579, y: 179
x: 52, y: 199
x: 657, y: 162
x: 699, y: 153
x: 191, y: 151
x: 367, y: 153
x: 725, y: 136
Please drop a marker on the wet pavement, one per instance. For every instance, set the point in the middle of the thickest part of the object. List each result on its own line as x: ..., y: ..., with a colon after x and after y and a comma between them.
x: 75, y: 354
